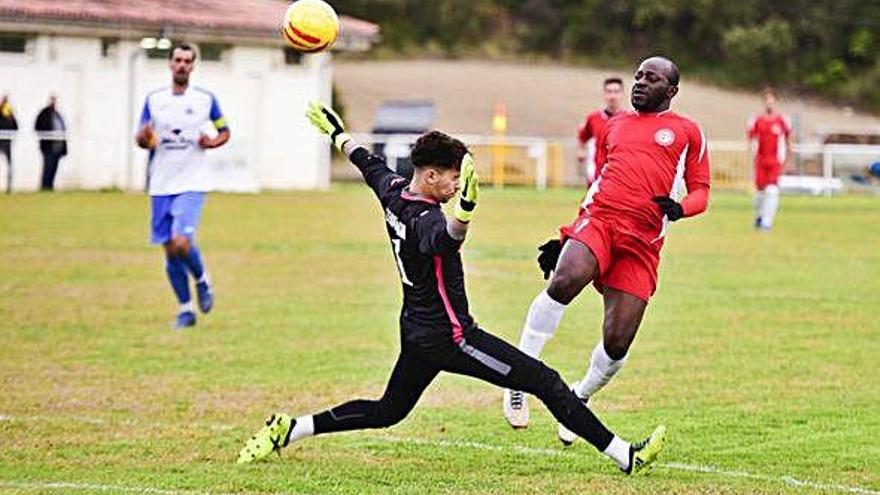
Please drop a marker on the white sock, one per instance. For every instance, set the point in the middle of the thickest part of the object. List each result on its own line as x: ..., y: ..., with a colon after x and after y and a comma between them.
x: 618, y: 450
x: 602, y: 369
x: 304, y: 428
x: 759, y: 203
x: 541, y: 322
x: 770, y: 206
x: 187, y: 307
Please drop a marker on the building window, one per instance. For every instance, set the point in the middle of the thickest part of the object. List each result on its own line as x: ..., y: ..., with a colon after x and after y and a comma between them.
x: 157, y: 48
x: 13, y: 42
x: 157, y: 53
x: 291, y: 56
x: 109, y: 47
x: 212, y: 52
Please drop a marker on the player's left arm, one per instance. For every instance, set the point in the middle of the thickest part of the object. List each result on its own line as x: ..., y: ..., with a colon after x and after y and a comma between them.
x: 441, y: 235
x: 696, y: 178
x: 789, y: 139
x: 219, y: 121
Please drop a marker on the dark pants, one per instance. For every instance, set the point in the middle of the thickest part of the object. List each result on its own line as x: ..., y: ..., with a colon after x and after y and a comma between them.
x: 6, y: 151
x: 50, y: 168
x: 480, y: 355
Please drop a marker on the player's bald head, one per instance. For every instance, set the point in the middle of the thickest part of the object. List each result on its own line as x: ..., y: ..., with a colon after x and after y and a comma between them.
x: 655, y: 84
x: 663, y: 66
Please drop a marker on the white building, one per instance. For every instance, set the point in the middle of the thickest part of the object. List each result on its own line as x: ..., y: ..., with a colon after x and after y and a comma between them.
x: 91, y: 54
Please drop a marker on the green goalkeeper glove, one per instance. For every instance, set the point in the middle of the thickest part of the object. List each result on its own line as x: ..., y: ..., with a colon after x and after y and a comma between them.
x: 328, y: 122
x: 470, y: 188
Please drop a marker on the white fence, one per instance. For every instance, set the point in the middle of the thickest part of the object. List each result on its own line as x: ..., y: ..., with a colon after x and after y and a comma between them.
x: 502, y: 160
x: 542, y: 162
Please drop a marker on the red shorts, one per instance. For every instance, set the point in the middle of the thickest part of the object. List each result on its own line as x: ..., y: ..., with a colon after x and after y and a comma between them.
x: 627, y: 261
x: 767, y: 174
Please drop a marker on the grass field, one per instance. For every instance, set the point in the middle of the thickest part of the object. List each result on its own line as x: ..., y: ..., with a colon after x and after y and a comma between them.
x: 759, y: 352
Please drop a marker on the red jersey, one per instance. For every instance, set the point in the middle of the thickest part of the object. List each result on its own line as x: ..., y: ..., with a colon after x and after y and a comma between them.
x: 644, y: 155
x: 593, y: 125
x: 771, y: 132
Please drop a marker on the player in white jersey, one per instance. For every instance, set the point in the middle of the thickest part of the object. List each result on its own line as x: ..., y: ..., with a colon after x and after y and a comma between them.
x: 172, y: 127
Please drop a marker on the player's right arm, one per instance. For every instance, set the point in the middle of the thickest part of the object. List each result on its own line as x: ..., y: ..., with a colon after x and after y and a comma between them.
x: 376, y: 173
x: 145, y: 136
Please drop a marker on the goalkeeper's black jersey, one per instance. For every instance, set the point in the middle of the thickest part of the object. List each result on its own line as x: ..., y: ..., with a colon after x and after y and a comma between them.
x: 435, y: 307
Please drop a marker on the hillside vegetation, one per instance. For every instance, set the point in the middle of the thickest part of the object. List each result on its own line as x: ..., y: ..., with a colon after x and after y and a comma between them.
x: 827, y: 47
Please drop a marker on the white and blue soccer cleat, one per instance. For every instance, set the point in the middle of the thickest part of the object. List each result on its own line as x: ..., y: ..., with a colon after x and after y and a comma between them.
x: 205, y: 296
x: 184, y: 319
x: 516, y: 409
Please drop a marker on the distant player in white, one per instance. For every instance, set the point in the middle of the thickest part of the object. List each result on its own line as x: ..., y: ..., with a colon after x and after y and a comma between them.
x: 172, y: 127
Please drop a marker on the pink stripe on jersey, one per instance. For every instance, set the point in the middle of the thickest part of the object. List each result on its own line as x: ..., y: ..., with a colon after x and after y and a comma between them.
x: 412, y: 197
x: 441, y: 287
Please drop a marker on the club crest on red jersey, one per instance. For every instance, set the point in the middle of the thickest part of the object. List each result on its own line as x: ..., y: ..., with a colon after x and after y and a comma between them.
x: 664, y: 137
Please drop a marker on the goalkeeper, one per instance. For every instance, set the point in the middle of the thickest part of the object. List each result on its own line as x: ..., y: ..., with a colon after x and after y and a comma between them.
x: 437, y: 331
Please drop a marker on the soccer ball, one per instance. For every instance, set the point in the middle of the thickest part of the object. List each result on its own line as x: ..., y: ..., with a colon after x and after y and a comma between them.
x: 310, y: 26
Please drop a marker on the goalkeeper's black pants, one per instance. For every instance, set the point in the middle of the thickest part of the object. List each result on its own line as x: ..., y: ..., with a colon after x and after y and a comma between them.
x: 480, y: 355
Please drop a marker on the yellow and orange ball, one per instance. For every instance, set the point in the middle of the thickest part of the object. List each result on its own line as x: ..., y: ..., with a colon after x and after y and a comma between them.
x: 310, y: 26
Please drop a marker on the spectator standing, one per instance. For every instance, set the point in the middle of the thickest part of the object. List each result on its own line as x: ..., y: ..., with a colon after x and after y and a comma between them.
x: 51, y: 129
x: 8, y: 126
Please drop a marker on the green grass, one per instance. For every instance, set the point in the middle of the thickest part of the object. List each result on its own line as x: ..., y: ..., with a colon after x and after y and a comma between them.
x: 760, y: 352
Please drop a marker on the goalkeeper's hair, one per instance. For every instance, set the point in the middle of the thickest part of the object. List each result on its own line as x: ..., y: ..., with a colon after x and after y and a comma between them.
x: 438, y: 150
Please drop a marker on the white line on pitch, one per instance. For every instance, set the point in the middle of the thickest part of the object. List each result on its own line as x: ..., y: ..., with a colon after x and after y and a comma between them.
x: 788, y: 480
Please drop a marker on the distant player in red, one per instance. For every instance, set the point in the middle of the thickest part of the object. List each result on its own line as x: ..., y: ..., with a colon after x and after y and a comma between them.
x: 613, y: 94
x: 648, y: 156
x: 772, y: 130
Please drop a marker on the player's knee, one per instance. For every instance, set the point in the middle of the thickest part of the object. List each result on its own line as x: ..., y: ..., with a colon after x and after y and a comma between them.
x: 616, y: 345
x: 389, y: 415
x: 553, y: 389
x: 170, y: 250
x: 181, y: 245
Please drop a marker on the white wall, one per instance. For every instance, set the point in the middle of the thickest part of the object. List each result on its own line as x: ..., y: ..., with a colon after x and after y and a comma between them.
x: 272, y: 145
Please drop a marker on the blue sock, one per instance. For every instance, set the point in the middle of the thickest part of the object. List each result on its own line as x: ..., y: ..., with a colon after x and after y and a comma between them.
x: 193, y: 262
x: 177, y: 276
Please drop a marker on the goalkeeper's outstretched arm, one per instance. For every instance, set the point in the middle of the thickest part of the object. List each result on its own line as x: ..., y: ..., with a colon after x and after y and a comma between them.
x: 372, y: 167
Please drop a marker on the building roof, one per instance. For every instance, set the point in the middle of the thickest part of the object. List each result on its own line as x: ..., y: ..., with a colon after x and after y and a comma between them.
x: 252, y: 18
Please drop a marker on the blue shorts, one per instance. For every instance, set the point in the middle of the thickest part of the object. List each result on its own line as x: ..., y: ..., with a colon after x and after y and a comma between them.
x: 175, y: 215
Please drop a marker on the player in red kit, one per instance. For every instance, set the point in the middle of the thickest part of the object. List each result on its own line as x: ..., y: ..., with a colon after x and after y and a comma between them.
x: 612, y: 93
x: 648, y: 157
x: 772, y: 130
